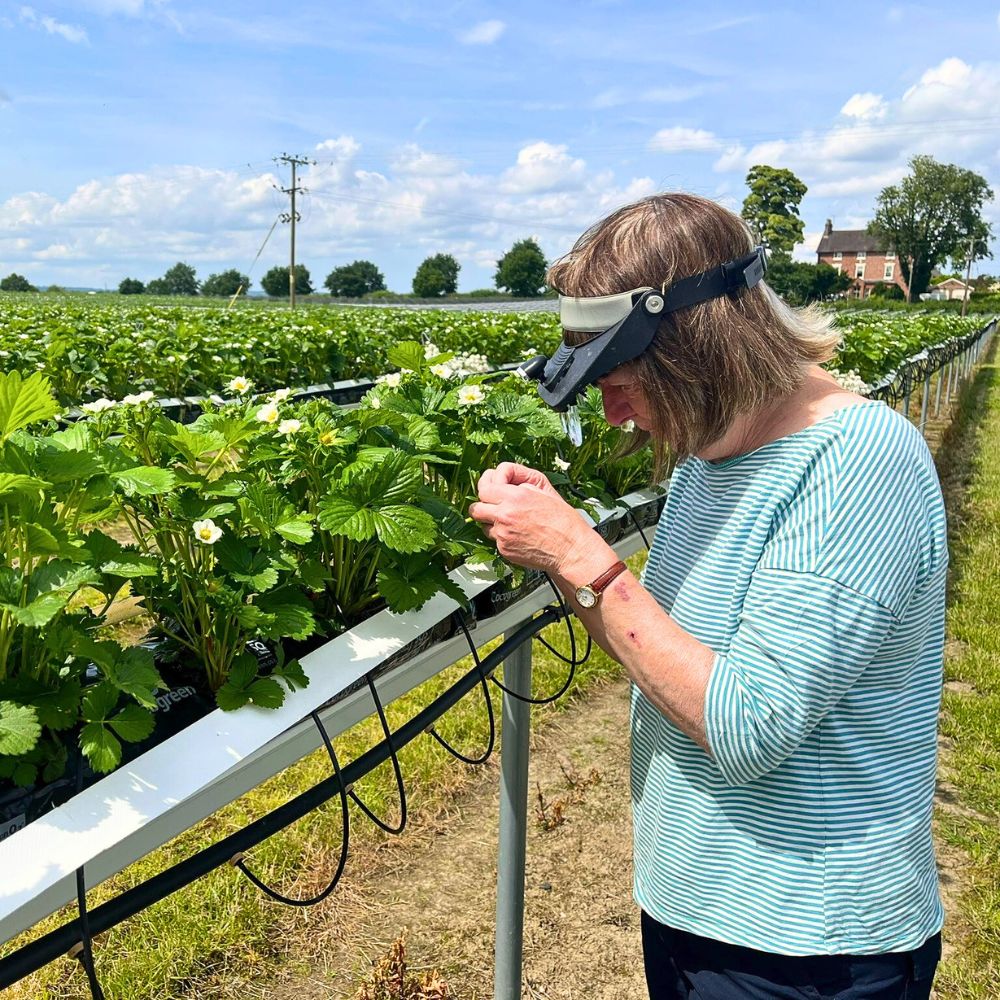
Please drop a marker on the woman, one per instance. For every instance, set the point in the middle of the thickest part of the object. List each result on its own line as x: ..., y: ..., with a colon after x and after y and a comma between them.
x: 785, y: 643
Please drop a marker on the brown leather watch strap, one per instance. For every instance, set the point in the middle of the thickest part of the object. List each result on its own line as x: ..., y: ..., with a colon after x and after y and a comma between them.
x: 599, y: 585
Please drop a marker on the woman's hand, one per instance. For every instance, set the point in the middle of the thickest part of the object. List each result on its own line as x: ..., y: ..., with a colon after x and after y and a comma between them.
x: 532, y: 525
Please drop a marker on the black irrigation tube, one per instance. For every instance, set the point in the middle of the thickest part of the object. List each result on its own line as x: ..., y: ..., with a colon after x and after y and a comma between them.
x: 32, y: 957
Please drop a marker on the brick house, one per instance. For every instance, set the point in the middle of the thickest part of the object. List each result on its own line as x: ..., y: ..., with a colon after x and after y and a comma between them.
x: 857, y: 253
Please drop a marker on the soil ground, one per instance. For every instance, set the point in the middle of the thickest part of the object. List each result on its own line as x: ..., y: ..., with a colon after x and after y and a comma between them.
x: 437, y: 883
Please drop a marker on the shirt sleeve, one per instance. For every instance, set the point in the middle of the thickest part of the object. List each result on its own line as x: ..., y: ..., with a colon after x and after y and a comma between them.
x: 803, y: 641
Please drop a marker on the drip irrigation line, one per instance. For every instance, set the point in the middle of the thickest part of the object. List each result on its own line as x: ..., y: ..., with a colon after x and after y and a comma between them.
x: 85, y: 952
x: 572, y: 658
x: 345, y: 840
x: 638, y: 526
x: 400, y: 787
x: 38, y: 953
x: 491, y: 742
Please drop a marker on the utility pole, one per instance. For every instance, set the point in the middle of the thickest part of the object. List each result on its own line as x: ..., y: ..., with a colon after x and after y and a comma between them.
x: 291, y: 217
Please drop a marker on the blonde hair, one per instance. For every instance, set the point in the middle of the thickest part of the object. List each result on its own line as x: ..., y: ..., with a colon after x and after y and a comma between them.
x: 711, y: 362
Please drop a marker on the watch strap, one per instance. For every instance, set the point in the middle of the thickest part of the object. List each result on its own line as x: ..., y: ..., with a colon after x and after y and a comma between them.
x: 602, y: 582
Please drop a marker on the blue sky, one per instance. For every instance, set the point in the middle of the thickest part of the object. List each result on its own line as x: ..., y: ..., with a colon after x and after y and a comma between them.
x: 136, y: 133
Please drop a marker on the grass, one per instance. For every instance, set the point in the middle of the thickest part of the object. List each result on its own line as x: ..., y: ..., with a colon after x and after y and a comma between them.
x: 969, y: 821
x: 220, y: 933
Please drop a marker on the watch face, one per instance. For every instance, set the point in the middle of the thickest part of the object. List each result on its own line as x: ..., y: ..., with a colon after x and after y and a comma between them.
x: 585, y: 597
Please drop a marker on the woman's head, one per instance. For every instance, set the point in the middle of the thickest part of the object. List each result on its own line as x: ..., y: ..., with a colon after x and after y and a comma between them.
x: 711, y: 362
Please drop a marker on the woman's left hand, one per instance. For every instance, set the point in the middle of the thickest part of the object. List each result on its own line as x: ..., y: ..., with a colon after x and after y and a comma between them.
x: 532, y: 525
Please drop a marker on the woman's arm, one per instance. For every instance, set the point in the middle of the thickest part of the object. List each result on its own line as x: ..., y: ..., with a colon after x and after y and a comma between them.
x: 533, y: 526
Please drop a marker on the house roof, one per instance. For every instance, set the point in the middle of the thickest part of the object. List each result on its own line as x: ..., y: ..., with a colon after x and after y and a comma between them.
x: 849, y: 241
x: 950, y: 283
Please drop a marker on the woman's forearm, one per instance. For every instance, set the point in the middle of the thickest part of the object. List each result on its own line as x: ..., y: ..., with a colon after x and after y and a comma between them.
x: 670, y: 666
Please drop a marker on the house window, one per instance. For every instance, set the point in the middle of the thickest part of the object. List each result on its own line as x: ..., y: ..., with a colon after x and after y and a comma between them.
x: 889, y: 270
x: 890, y: 255
x: 859, y: 269
x: 862, y: 254
x: 838, y: 255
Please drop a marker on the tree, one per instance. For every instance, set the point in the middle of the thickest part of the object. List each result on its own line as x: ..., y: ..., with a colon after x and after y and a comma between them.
x: 934, y: 214
x: 16, y: 283
x: 131, y: 286
x: 522, y: 269
x: 226, y: 284
x: 275, y: 282
x: 771, y: 209
x: 437, y: 275
x: 178, y: 280
x: 354, y: 280
x: 800, y: 283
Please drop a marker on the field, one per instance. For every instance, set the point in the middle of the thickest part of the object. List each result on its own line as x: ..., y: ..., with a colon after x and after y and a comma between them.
x: 155, y: 482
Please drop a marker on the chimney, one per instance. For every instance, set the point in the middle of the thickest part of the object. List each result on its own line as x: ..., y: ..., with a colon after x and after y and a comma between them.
x: 828, y: 228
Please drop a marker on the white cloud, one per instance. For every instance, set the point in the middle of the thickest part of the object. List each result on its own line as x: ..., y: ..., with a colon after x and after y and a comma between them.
x: 411, y: 159
x: 615, y: 97
x: 859, y: 184
x: 542, y: 167
x: 484, y: 33
x: 865, y: 107
x: 69, y: 32
x: 684, y: 140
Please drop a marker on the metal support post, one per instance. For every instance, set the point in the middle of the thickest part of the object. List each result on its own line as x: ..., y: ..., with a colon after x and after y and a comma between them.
x: 937, y: 392
x: 906, y: 404
x: 515, y: 731
x: 925, y: 399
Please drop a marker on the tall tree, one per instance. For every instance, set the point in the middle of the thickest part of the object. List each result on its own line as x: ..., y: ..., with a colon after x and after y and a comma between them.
x: 521, y: 270
x: 771, y: 209
x: 15, y: 282
x: 934, y: 214
x: 131, y: 286
x: 275, y: 282
x: 225, y: 284
x: 437, y: 275
x: 354, y: 280
x: 179, y: 280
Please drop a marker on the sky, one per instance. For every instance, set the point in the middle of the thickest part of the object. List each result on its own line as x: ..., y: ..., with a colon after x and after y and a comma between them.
x: 138, y: 133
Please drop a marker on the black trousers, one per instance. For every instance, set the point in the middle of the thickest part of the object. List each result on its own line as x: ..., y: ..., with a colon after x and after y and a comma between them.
x: 682, y: 966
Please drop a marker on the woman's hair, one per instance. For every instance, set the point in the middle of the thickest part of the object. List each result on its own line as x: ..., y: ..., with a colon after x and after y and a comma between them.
x: 711, y: 362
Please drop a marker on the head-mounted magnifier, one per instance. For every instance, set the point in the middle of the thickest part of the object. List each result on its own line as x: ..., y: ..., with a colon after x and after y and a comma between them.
x: 625, y: 325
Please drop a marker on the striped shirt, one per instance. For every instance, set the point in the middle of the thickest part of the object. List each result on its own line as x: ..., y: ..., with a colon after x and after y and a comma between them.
x: 814, y: 568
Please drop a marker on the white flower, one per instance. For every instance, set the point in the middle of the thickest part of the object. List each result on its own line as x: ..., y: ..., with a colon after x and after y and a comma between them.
x: 98, y: 405
x: 391, y: 380
x: 442, y: 371
x: 239, y: 384
x: 279, y: 394
x: 375, y: 403
x: 628, y: 426
x: 290, y: 426
x: 137, y: 399
x: 430, y: 351
x: 207, y: 532
x: 268, y: 414
x: 470, y: 395
x: 561, y: 464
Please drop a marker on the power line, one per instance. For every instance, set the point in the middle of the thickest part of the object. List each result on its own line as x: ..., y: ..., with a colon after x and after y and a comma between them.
x: 292, y: 217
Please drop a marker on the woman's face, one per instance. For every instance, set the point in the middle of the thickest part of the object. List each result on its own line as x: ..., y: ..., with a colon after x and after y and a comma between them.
x: 623, y: 399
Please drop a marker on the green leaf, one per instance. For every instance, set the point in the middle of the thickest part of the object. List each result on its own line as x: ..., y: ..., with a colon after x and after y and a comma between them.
x: 195, y: 445
x: 19, y: 728
x: 230, y: 697
x: 297, y: 529
x: 406, y: 588
x: 99, y: 702
x: 133, y: 671
x: 132, y: 723
x: 24, y: 401
x: 49, y: 589
x: 16, y: 483
x: 266, y: 692
x: 292, y: 674
x: 404, y: 529
x: 340, y: 515
x: 100, y: 746
x: 290, y: 613
x: 406, y: 354
x: 145, y: 480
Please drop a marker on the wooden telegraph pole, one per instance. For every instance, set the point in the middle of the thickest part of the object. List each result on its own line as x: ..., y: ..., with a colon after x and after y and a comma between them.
x: 291, y: 217
x: 968, y: 273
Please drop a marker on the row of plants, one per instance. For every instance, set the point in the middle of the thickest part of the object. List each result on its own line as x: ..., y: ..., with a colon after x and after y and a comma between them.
x: 264, y: 520
x: 92, y: 350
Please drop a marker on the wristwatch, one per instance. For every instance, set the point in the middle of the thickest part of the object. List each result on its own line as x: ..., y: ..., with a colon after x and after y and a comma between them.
x: 588, y: 595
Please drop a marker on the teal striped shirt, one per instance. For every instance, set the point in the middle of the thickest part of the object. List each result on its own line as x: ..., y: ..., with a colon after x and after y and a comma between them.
x: 814, y: 568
